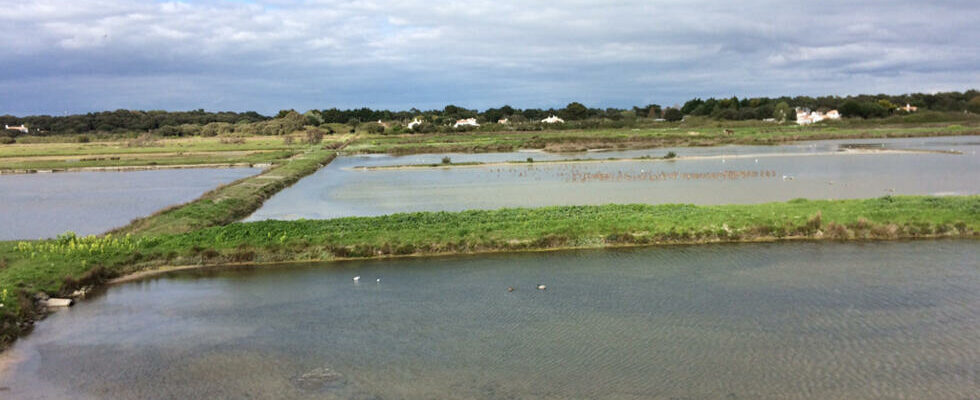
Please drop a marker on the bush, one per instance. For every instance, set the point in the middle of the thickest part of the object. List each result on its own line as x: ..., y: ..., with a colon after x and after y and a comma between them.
x: 144, y: 140
x: 673, y: 115
x: 670, y: 155
x: 7, y: 140
x: 373, y: 128
x: 232, y: 140
x: 314, y: 135
x: 447, y: 160
x: 83, y: 139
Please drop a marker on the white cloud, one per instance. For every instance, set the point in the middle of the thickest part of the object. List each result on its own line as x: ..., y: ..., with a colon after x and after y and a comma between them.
x: 478, y: 53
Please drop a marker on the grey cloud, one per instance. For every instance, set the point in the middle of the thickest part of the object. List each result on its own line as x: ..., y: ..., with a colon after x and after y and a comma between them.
x: 266, y: 55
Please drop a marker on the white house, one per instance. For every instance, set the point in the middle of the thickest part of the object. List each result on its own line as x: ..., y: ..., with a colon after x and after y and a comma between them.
x: 415, y: 122
x: 805, y: 117
x: 553, y: 120
x: 21, y: 128
x: 465, y: 122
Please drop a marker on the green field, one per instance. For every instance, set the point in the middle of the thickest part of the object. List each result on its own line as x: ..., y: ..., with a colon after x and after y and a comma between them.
x: 670, y: 135
x: 116, y: 151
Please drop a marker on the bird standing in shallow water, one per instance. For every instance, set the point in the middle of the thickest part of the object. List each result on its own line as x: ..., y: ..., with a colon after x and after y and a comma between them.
x: 357, y: 278
x: 541, y: 286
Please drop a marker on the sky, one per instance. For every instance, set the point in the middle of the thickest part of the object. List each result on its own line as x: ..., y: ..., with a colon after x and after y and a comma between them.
x: 77, y: 56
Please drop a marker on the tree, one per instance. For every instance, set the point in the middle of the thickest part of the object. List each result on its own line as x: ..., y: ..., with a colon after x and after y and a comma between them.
x: 851, y: 109
x: 973, y: 105
x: 781, y: 112
x: 313, y: 117
x: 691, y: 105
x: 574, y: 111
x: 887, y: 105
x: 654, y: 111
x: 673, y: 114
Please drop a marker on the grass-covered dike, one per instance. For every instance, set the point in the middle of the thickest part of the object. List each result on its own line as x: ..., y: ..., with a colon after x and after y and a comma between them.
x: 60, y: 266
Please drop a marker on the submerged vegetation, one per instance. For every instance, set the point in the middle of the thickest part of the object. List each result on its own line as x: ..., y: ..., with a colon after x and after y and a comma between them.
x: 62, y: 265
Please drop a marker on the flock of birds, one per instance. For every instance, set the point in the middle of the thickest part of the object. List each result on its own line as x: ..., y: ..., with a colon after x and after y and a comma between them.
x: 540, y: 286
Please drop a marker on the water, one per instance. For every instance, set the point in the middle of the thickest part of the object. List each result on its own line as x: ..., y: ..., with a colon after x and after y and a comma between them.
x: 753, y: 321
x: 816, y: 170
x: 44, y: 205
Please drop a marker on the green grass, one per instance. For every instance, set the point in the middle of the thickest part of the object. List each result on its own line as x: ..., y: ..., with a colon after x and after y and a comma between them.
x: 671, y: 134
x: 119, y: 162
x: 156, y: 151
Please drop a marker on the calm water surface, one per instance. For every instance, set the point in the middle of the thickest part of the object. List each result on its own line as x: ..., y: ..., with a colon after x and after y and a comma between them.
x: 779, y: 321
x: 741, y: 174
x: 44, y: 205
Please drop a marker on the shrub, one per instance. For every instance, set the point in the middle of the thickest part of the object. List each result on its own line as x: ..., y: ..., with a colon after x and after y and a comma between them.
x: 144, y: 140
x: 837, y: 231
x: 314, y: 135
x: 813, y: 224
x: 232, y: 140
x: 7, y: 140
x: 83, y: 139
x: 210, y: 254
x: 447, y: 160
x: 670, y: 155
x: 373, y: 128
x: 673, y: 115
x: 241, y: 256
x: 530, y: 160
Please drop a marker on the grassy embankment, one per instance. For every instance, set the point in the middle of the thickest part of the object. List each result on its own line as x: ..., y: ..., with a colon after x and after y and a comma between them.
x: 62, y: 265
x: 670, y: 135
x: 234, y: 201
x: 148, y: 152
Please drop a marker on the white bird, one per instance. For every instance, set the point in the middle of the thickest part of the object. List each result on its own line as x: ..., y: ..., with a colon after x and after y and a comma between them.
x: 378, y: 280
x: 357, y: 278
x: 757, y: 160
x: 541, y: 286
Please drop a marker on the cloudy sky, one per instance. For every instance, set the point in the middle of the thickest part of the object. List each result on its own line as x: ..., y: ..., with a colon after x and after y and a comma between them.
x: 264, y: 55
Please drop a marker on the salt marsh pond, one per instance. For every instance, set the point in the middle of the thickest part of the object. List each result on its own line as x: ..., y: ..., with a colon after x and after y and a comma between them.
x: 708, y: 175
x: 755, y: 321
x: 44, y: 205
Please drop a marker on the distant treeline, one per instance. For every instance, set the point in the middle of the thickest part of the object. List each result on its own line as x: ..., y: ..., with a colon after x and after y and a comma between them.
x: 196, y: 122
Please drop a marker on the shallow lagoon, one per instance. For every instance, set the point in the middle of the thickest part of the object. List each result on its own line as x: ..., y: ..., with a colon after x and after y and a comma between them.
x: 742, y: 174
x: 44, y: 205
x: 752, y: 321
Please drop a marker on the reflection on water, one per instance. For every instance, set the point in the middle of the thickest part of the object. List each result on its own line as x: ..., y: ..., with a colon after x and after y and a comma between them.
x: 728, y: 174
x: 769, y: 321
x: 44, y: 205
